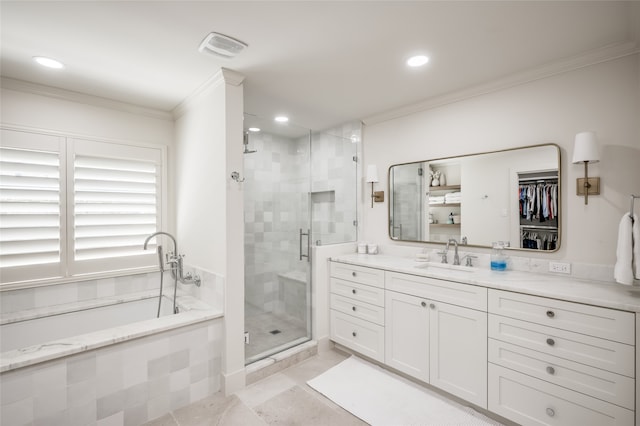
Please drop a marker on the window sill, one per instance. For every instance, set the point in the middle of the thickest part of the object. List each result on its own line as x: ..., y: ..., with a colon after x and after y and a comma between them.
x: 20, y: 285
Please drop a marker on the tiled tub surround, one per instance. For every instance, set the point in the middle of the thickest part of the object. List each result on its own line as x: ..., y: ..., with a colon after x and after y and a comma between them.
x: 561, y: 349
x: 128, y: 374
x: 125, y: 383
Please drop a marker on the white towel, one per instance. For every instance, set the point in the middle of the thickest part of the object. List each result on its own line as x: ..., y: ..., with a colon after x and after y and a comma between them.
x: 623, y: 270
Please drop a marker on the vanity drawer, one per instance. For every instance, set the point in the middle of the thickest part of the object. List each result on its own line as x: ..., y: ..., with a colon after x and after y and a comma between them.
x: 358, y: 274
x: 605, y: 354
x: 530, y: 401
x: 466, y: 295
x: 360, y: 292
x: 358, y: 309
x: 610, y: 387
x: 591, y: 320
x: 362, y: 336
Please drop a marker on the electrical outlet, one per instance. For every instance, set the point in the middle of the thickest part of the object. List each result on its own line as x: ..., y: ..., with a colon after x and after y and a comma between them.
x: 560, y: 267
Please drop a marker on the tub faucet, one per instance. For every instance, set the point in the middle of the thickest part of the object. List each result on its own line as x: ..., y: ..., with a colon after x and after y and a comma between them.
x: 174, y: 259
x: 456, y: 257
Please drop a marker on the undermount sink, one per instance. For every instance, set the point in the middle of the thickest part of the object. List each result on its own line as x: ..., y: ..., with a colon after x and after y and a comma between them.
x: 427, y: 265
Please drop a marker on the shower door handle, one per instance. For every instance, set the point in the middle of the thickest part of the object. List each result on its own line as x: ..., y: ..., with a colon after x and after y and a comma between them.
x: 308, y: 248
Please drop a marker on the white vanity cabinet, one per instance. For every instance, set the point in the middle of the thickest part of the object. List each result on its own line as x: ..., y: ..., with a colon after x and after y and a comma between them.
x: 357, y: 308
x: 558, y: 362
x: 438, y: 342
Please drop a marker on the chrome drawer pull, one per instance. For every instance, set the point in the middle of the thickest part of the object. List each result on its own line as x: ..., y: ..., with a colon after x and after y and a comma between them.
x: 551, y: 412
x: 423, y: 304
x: 551, y: 314
x: 353, y: 274
x: 551, y: 370
x: 353, y: 308
x: 353, y: 291
x: 353, y: 334
x: 551, y: 342
x: 432, y: 305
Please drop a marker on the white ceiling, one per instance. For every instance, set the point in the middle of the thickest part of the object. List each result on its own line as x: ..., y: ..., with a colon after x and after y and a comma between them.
x: 321, y: 63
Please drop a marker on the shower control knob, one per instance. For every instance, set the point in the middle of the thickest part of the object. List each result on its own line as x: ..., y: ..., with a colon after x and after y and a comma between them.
x: 551, y: 314
x: 551, y: 342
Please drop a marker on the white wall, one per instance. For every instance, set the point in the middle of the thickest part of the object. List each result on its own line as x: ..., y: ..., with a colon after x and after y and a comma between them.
x: 209, y: 205
x: 604, y: 97
x: 70, y: 114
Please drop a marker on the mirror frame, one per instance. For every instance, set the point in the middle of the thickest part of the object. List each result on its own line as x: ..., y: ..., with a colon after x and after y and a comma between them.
x: 560, y: 197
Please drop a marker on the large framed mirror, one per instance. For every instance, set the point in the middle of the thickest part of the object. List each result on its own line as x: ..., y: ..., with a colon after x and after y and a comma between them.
x: 511, y: 195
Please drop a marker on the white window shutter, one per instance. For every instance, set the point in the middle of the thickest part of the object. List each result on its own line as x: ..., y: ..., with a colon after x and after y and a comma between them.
x: 115, y: 203
x: 31, y: 206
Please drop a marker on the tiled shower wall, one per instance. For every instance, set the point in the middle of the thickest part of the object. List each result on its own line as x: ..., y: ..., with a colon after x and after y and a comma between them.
x: 127, y: 383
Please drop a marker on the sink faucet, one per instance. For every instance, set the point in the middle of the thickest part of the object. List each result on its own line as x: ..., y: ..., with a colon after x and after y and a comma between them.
x: 456, y: 257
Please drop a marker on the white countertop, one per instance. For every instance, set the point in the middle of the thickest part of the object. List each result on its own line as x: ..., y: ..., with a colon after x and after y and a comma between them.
x: 597, y: 293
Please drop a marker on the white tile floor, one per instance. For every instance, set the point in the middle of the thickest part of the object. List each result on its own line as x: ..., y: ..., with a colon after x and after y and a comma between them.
x: 283, y: 398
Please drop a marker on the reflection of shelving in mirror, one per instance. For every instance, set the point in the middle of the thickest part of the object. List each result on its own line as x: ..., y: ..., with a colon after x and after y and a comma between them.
x: 444, y: 202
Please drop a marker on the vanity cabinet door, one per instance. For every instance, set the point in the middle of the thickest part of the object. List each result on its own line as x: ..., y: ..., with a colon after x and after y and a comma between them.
x: 458, y: 351
x: 407, y: 334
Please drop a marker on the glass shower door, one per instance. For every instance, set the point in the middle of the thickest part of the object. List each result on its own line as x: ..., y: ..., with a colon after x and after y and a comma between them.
x: 277, y: 244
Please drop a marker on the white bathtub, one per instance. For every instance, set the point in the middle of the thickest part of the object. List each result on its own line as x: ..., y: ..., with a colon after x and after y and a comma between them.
x: 30, y: 332
x: 115, y: 364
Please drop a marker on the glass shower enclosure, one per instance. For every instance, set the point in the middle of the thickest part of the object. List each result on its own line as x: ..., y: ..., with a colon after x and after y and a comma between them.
x: 277, y: 237
x: 300, y: 190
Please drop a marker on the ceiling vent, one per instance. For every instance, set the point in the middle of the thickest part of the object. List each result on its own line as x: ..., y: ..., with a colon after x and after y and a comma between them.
x: 222, y: 45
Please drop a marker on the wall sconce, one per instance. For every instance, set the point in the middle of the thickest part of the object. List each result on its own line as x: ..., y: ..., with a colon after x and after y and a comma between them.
x: 372, y: 177
x: 585, y: 150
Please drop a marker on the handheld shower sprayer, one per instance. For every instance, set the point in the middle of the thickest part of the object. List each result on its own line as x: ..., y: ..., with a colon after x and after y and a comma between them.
x: 245, y: 142
x: 161, y: 258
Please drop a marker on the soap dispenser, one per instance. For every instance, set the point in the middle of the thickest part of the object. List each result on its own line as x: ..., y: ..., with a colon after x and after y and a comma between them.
x: 450, y: 219
x: 498, y: 258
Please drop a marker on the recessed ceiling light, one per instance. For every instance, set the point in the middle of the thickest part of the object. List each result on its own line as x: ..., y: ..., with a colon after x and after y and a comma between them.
x: 281, y: 119
x: 417, y: 61
x: 48, y: 62
x: 254, y: 129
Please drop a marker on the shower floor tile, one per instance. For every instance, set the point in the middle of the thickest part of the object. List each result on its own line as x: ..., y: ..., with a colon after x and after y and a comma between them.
x: 268, y: 330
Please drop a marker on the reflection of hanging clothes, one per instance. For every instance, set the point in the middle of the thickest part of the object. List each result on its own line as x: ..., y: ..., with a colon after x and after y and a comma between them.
x: 538, y: 201
x: 539, y: 240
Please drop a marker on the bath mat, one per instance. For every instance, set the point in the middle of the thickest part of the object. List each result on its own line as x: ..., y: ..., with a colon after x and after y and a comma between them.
x: 382, y: 398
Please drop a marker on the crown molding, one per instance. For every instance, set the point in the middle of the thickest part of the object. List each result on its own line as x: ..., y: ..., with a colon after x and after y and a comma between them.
x: 222, y: 76
x: 596, y: 56
x: 83, y: 98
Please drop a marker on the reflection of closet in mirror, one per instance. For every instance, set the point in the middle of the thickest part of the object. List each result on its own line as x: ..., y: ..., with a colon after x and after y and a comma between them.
x: 443, y: 202
x: 538, y: 209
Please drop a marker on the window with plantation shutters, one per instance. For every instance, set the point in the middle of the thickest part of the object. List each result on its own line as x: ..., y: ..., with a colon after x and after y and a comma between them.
x: 31, y: 206
x: 73, y: 207
x: 115, y: 203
